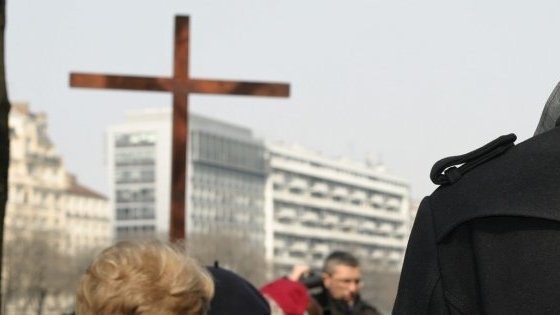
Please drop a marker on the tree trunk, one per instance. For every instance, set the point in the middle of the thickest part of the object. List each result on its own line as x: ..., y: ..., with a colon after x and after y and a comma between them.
x: 4, y: 135
x: 41, y: 302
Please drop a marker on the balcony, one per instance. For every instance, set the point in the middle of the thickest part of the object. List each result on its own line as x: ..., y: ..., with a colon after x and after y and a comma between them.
x: 330, y: 220
x: 279, y: 244
x: 395, y: 256
x: 278, y: 178
x: 286, y: 214
x: 361, y: 252
x: 348, y: 225
x: 401, y: 231
x: 386, y: 228
x: 310, y: 217
x: 367, y: 226
x: 299, y: 247
x: 297, y: 185
x: 393, y: 204
x: 340, y: 193
x: 377, y: 200
x: 358, y: 196
x: 377, y: 254
x: 320, y: 189
x: 321, y: 248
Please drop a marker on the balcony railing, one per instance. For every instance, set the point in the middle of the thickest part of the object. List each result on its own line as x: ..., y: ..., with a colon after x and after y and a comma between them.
x: 358, y: 196
x: 286, y: 214
x: 299, y: 247
x: 393, y: 204
x: 298, y: 184
x: 309, y: 217
x: 320, y: 189
x: 377, y: 200
x: 330, y: 220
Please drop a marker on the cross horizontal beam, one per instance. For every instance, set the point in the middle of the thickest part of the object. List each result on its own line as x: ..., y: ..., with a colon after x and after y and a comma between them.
x: 163, y: 84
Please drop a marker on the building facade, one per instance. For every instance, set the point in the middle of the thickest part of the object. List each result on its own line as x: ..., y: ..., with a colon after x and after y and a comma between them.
x: 52, y: 222
x: 43, y: 195
x: 315, y: 205
x: 228, y: 174
x: 296, y: 204
x: 226, y: 177
x: 137, y: 170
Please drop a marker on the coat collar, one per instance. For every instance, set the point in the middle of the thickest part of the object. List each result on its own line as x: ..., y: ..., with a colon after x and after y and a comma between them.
x: 524, y: 181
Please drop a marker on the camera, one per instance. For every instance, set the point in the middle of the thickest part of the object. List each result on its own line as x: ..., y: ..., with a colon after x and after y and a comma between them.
x: 312, y: 280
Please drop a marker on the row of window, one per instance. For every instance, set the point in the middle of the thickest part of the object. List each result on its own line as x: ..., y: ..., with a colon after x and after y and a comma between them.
x: 218, y: 176
x: 295, y: 246
x: 143, y: 194
x: 208, y: 217
x: 53, y: 199
x: 200, y: 226
x: 320, y: 187
x: 131, y: 232
x: 135, y: 139
x: 135, y: 156
x: 135, y: 175
x: 136, y: 213
x: 314, y: 242
x: 227, y: 151
x: 293, y: 210
x: 206, y: 199
x: 336, y: 169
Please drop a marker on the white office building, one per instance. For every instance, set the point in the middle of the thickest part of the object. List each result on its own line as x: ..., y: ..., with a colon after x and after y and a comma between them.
x: 315, y: 205
x: 296, y: 204
x: 226, y: 177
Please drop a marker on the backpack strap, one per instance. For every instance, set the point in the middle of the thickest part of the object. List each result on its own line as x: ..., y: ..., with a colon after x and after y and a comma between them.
x: 449, y: 170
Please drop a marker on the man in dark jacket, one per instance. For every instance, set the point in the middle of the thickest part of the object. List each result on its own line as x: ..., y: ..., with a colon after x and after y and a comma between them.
x: 341, y: 282
x: 487, y: 241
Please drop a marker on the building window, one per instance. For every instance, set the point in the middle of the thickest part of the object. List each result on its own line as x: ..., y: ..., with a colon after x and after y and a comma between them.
x: 135, y: 213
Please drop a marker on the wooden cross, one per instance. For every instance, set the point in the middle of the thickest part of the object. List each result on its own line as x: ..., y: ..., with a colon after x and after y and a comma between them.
x: 181, y: 85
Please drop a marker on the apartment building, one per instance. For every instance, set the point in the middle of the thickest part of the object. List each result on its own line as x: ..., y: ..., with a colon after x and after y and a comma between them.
x: 316, y: 204
x: 44, y: 196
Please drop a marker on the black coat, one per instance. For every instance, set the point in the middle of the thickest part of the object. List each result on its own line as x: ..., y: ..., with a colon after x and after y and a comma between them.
x: 488, y: 240
x: 331, y: 306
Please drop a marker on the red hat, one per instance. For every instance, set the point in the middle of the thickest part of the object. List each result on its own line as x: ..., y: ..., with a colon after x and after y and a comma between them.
x: 291, y: 296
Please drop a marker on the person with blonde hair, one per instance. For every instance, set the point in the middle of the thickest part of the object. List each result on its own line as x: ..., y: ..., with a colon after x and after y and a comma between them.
x: 150, y: 277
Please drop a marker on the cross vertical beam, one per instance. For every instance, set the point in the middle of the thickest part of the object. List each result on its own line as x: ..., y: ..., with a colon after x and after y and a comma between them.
x: 179, y: 170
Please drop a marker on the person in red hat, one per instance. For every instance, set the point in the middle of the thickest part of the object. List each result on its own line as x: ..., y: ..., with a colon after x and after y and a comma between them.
x: 290, y: 296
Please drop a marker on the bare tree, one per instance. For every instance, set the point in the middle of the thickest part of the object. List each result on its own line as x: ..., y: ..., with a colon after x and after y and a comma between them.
x: 39, y: 277
x: 380, y: 288
x: 4, y: 130
x: 33, y: 269
x: 232, y: 251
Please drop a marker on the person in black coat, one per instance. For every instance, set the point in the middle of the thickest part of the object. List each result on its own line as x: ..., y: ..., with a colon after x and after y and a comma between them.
x: 235, y: 295
x: 487, y: 241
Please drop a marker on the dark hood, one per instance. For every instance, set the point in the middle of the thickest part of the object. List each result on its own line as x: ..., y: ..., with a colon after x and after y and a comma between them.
x: 551, y: 112
x: 235, y: 295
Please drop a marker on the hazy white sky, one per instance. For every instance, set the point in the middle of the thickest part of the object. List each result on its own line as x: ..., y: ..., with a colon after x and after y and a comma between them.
x: 407, y: 82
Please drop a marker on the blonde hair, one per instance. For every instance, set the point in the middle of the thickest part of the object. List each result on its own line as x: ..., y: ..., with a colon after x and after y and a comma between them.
x: 150, y: 277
